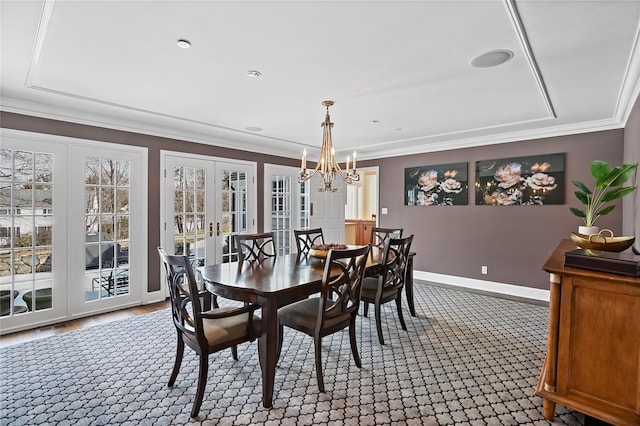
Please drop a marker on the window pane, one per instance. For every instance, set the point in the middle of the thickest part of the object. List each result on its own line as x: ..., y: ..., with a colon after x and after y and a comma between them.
x: 107, y: 172
x: 122, y: 177
x: 23, y: 163
x: 6, y: 164
x: 91, y: 167
x: 44, y: 167
x: 44, y: 198
x: 122, y: 227
x: 107, y: 200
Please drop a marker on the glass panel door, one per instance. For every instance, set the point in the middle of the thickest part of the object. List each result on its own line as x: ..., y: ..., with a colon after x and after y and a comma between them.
x: 189, y: 208
x: 26, y: 231
x: 233, y: 215
x: 289, y: 205
x: 33, y: 255
x: 205, y: 203
x: 107, y: 227
x: 281, y: 213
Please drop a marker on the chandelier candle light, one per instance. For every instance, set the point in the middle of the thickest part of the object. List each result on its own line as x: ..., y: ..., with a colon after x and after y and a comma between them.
x: 327, y: 166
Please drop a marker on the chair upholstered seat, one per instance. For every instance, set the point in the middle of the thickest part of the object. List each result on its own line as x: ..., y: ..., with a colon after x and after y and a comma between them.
x: 370, y: 287
x: 220, y: 331
x: 303, y: 315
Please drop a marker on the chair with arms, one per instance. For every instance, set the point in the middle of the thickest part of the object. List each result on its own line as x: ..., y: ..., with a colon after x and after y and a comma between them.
x: 204, y: 332
x: 255, y: 247
x: 387, y: 286
x: 337, y: 306
x: 307, y: 238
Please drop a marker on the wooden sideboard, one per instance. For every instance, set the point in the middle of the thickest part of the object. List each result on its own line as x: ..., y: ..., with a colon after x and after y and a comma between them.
x: 593, y: 350
x: 362, y: 230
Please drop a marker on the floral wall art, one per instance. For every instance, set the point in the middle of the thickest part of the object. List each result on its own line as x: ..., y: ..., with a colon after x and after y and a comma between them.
x: 535, y: 180
x: 441, y: 185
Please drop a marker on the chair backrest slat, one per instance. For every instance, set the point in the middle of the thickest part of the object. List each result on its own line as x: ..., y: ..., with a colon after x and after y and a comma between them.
x: 395, y: 261
x: 307, y: 238
x: 255, y: 247
x: 380, y: 236
x: 342, y: 282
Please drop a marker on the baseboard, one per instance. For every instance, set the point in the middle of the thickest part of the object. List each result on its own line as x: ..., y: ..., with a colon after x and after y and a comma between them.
x: 487, y: 286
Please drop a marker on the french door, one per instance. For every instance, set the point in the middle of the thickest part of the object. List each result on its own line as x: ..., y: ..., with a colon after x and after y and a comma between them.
x: 107, y: 227
x: 286, y: 205
x: 72, y: 228
x: 33, y: 241
x: 206, y: 201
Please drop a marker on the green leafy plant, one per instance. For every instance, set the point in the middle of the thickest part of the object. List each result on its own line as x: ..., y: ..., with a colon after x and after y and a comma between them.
x: 608, y: 187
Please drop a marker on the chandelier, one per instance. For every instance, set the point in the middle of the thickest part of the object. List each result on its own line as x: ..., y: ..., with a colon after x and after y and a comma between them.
x: 327, y: 167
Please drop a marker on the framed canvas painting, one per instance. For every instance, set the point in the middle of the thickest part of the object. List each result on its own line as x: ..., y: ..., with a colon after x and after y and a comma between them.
x: 535, y: 180
x: 439, y: 185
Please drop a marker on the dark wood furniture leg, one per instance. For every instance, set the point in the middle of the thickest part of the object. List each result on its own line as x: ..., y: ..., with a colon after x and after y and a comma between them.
x: 268, y: 349
x: 408, y: 286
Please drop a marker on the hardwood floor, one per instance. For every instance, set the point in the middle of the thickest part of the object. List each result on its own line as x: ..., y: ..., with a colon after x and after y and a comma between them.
x: 64, y: 327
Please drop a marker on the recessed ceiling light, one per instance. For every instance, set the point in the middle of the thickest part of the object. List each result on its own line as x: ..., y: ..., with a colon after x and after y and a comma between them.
x: 185, y: 44
x: 492, y: 58
x: 374, y: 122
x: 253, y: 129
x: 254, y: 73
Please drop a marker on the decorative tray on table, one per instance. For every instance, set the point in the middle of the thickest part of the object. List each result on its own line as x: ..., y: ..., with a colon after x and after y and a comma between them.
x: 321, y: 251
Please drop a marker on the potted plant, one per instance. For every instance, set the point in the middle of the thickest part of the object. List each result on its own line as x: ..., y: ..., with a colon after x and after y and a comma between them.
x: 608, y: 187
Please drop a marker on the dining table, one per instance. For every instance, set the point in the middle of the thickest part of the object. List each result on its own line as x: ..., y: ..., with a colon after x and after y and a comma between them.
x: 271, y: 284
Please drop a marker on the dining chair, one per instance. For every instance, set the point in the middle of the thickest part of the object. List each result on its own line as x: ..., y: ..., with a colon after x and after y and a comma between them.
x: 255, y: 247
x: 379, y: 239
x: 204, y: 332
x: 387, y: 286
x: 380, y: 236
x: 307, y: 238
x: 335, y: 308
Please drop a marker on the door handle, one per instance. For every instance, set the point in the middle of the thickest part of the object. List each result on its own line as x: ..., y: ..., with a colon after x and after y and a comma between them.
x: 211, y: 229
x: 310, y: 209
x: 218, y: 229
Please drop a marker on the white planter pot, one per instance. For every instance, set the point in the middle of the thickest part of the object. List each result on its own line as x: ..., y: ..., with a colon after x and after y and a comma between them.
x: 588, y: 230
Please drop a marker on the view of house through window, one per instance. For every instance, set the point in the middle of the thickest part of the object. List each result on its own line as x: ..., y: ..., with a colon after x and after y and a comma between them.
x: 26, y: 226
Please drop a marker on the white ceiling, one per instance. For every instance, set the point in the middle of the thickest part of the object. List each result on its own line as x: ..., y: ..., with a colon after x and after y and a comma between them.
x: 576, y: 68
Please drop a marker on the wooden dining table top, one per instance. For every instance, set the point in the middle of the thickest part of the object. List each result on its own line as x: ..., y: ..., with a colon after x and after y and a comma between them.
x: 281, y: 274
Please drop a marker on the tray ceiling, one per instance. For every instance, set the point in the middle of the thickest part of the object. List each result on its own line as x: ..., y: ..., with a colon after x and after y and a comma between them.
x: 399, y: 72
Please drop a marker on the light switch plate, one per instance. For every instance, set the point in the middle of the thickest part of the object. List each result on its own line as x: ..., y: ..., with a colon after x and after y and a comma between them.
x: 384, y: 210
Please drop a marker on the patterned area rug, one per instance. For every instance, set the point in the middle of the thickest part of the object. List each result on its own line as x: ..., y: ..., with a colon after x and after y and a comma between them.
x: 467, y: 359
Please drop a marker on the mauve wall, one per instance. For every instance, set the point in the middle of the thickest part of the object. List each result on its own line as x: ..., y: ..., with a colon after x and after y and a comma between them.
x: 155, y: 145
x: 513, y: 241
x: 457, y: 240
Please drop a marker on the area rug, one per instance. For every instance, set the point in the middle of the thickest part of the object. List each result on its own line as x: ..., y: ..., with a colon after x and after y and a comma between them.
x: 467, y: 359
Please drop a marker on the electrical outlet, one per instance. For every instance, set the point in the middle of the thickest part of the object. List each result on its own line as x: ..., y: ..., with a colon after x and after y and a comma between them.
x: 484, y: 270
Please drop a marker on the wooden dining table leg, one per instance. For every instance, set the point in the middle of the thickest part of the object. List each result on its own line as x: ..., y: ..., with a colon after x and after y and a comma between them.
x: 408, y: 285
x: 268, y: 349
